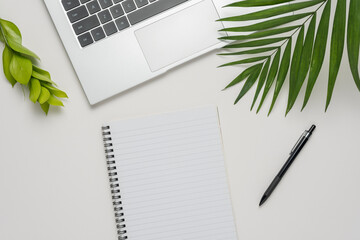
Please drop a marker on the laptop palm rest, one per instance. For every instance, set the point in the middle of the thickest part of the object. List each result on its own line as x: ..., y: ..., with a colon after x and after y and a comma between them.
x: 180, y: 35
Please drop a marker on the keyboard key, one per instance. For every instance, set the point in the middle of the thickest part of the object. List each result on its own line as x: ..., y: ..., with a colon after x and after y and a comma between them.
x: 77, y: 14
x: 98, y: 33
x: 88, y: 27
x: 104, y: 16
x: 152, y: 9
x: 85, y: 39
x: 93, y: 7
x: 129, y: 6
x: 141, y: 3
x: 105, y: 3
x: 110, y: 28
x: 70, y: 4
x: 86, y: 24
x: 122, y: 23
x: 117, y: 11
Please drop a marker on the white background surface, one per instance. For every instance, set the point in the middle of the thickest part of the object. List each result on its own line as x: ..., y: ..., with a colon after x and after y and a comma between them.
x: 53, y: 179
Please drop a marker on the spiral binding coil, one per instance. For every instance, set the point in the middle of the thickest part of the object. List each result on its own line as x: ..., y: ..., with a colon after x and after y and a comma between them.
x: 114, y: 184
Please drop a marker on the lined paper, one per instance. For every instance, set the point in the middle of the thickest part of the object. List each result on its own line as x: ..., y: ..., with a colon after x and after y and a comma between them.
x: 172, y: 176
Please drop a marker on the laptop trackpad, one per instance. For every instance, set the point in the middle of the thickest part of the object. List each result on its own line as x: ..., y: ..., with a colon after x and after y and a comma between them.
x: 180, y: 35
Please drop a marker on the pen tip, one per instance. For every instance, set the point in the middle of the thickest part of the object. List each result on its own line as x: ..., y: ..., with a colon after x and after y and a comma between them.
x: 263, y: 199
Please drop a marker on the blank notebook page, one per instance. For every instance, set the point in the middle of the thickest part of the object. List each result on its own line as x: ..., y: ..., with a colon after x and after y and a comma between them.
x: 172, y: 178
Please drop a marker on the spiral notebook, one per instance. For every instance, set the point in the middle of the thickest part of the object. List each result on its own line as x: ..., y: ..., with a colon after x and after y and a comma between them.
x: 168, y: 178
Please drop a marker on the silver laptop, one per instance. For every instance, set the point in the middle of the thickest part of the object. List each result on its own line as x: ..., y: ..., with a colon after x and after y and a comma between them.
x: 117, y: 44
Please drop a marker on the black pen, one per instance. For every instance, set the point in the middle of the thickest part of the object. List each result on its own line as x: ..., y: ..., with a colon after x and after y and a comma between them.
x: 294, y: 152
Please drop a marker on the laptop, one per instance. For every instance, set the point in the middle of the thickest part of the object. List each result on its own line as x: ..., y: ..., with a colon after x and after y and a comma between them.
x: 115, y: 45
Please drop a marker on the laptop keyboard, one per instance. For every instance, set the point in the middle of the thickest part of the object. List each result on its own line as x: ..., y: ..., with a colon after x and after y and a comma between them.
x: 93, y: 20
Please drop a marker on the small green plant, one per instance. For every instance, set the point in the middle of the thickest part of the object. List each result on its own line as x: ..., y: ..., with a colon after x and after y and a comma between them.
x: 309, y: 51
x: 19, y: 67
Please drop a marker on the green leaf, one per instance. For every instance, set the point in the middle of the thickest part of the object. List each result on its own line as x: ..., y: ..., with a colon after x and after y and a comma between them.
x: 336, y: 46
x: 13, y: 38
x: 10, y: 31
x: 275, y: 11
x: 1, y: 36
x: 256, y: 43
x: 243, y: 75
x: 45, y: 107
x: 261, y: 34
x: 55, y: 91
x: 283, y: 70
x: 54, y: 101
x: 35, y: 89
x: 257, y: 3
x: 7, y: 56
x: 353, y: 39
x: 252, y: 51
x: 17, y: 47
x: 261, y: 81
x: 20, y: 68
x: 317, y: 58
x: 270, y: 79
x: 267, y: 24
x: 307, y: 52
x: 294, y: 70
x: 248, y: 60
x: 301, y: 71
x: 41, y: 74
x: 248, y: 84
x: 17, y: 66
x: 44, y: 95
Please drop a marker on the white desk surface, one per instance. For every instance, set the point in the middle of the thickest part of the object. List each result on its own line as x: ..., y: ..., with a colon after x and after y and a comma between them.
x: 53, y: 179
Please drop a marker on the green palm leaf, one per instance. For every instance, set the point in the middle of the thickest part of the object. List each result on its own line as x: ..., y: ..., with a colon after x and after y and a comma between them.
x: 267, y: 24
x: 257, y: 3
x: 283, y: 70
x: 336, y: 47
x: 261, y: 34
x: 252, y: 51
x: 353, y: 39
x: 294, y: 70
x: 271, y: 77
x: 261, y: 82
x: 248, y: 60
x: 256, y: 43
x: 304, y: 64
x: 306, y: 59
x: 273, y: 11
x: 319, y: 51
x: 243, y: 75
x: 307, y: 52
x: 248, y: 84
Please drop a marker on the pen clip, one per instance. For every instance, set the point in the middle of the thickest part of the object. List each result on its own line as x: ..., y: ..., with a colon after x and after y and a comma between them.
x: 298, y: 141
